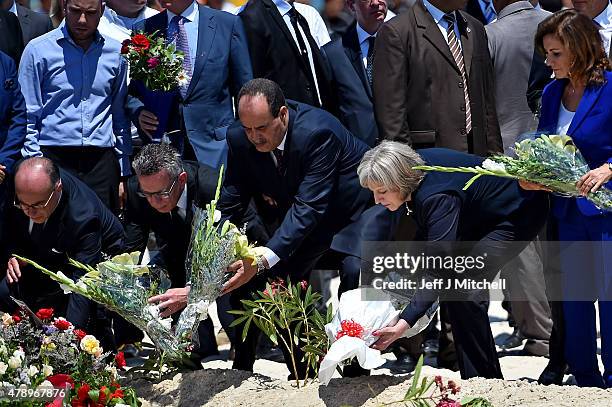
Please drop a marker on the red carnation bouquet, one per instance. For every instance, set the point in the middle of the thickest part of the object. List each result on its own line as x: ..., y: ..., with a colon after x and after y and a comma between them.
x: 156, y: 72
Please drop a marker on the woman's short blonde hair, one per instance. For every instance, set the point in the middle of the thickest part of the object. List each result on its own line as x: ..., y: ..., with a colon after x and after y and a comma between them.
x: 390, y: 165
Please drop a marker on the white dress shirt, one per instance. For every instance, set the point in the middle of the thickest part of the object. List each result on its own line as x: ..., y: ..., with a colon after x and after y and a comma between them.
x: 271, y: 257
x: 182, y: 203
x: 605, y: 23
x: 13, y: 8
x: 120, y: 28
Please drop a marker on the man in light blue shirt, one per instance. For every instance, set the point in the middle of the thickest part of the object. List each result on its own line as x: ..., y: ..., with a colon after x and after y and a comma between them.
x: 74, y: 83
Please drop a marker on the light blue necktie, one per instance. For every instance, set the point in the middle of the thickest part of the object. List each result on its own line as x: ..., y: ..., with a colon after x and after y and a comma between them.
x: 176, y: 34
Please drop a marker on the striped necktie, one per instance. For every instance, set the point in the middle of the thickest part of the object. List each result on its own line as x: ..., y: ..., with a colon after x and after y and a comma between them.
x: 178, y: 35
x: 370, y: 59
x: 453, y: 43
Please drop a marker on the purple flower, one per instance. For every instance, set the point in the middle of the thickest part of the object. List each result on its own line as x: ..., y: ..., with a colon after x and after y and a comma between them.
x: 152, y: 62
x: 49, y: 329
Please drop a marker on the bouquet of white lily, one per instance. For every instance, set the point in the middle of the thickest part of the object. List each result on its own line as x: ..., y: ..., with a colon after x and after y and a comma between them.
x: 553, y: 161
x: 211, y: 251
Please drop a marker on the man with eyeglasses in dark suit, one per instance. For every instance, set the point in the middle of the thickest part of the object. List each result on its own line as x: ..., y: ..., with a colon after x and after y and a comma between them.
x: 161, y: 197
x: 53, y: 217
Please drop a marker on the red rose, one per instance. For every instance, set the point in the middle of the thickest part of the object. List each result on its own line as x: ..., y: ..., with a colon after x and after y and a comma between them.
x: 141, y: 42
x: 62, y: 324
x: 60, y: 380
x: 79, y: 333
x: 16, y: 317
x: 45, y: 313
x: 102, y: 395
x: 120, y: 360
x: 118, y: 394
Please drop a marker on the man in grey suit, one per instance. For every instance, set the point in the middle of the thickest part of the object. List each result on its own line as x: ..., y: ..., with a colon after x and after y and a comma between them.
x: 511, y: 47
x: 33, y: 24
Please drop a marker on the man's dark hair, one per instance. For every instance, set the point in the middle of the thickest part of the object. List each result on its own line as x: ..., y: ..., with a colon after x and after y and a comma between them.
x: 266, y: 88
x: 50, y: 168
x: 156, y: 157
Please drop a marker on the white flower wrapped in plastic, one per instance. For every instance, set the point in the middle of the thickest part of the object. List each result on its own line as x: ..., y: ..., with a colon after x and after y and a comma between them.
x: 350, y: 331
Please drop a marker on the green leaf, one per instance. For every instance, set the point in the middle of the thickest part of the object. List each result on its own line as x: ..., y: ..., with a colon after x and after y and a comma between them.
x: 415, y: 378
x: 245, y: 330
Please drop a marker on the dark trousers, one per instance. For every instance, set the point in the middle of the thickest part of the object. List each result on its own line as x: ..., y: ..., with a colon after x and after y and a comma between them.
x: 474, y: 344
x: 96, y: 167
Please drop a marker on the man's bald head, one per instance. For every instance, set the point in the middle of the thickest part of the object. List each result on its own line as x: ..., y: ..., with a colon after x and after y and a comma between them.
x: 37, y: 173
x: 37, y: 188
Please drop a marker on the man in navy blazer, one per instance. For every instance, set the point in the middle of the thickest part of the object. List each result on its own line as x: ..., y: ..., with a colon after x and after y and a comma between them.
x: 220, y: 64
x: 299, y: 165
x: 351, y: 60
x: 12, y: 118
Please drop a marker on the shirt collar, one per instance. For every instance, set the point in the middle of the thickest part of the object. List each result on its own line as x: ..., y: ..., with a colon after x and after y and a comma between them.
x: 13, y: 9
x: 114, y: 18
x: 191, y: 13
x: 282, y: 6
x: 182, y: 202
x: 435, y: 12
x: 281, y: 146
x: 362, y: 34
x: 605, y: 18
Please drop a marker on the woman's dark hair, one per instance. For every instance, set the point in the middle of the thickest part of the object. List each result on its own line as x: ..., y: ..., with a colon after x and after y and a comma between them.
x: 579, y: 34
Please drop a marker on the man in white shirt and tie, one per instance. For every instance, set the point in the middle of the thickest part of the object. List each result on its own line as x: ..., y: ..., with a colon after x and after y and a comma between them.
x: 284, y: 40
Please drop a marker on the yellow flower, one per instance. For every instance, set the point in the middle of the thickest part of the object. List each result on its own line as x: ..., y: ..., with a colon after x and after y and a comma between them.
x: 7, y: 319
x: 90, y: 344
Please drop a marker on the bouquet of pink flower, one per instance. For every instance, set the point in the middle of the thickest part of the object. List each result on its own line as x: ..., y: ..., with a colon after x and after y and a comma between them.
x: 157, y: 64
x: 156, y: 72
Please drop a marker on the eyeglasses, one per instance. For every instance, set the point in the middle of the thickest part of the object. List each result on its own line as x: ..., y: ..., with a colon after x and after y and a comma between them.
x: 160, y: 195
x: 35, y: 207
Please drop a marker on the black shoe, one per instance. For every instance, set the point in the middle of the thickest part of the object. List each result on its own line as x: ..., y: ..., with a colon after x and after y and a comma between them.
x: 513, y: 341
x: 129, y: 350
x: 551, y: 375
x: 404, y: 364
x: 430, y: 348
x: 273, y: 354
x: 354, y: 370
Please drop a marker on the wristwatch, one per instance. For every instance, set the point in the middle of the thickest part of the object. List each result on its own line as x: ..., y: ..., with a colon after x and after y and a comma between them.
x: 260, y: 263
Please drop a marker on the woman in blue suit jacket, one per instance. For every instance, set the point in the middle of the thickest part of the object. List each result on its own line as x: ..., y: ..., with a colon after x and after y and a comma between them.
x: 579, y: 103
x: 12, y: 117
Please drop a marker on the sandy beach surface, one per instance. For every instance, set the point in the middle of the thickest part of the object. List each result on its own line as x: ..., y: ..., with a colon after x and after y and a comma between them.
x: 219, y: 385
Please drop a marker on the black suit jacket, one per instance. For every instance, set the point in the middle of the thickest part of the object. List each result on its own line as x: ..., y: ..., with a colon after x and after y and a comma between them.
x: 275, y: 56
x: 473, y: 8
x: 33, y: 24
x: 81, y: 228
x: 318, y: 195
x: 11, y: 38
x: 350, y: 84
x: 171, y: 231
x: 418, y: 88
